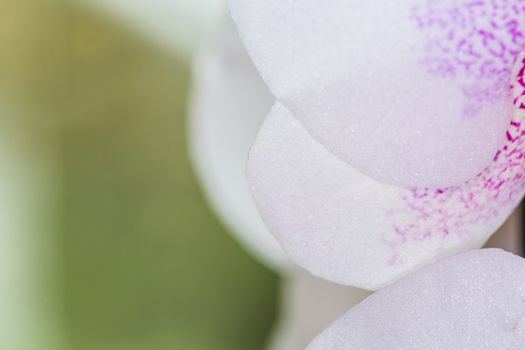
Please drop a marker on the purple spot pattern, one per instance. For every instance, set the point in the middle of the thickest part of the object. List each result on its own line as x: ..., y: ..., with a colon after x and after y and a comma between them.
x: 474, y: 42
x: 481, y: 202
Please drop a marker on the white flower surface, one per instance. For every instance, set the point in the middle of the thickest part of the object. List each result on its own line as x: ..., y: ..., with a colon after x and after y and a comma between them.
x: 228, y: 104
x: 392, y: 141
x: 471, y: 301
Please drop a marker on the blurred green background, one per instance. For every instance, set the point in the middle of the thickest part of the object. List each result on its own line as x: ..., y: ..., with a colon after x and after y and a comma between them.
x: 136, y: 260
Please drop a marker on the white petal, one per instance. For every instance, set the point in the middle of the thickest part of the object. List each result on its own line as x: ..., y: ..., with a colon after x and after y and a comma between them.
x: 472, y: 301
x: 229, y: 102
x: 411, y: 92
x: 348, y: 228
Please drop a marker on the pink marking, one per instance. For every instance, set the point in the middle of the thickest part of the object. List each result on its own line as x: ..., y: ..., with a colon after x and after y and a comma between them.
x: 467, y: 210
x: 474, y: 42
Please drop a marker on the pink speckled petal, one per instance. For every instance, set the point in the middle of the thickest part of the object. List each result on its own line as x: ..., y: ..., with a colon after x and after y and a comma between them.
x: 398, y: 89
x: 349, y: 228
x: 471, y: 301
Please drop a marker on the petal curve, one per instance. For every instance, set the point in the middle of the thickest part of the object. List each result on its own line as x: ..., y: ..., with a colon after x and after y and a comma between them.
x: 398, y: 90
x: 351, y: 229
x: 229, y: 102
x: 472, y: 301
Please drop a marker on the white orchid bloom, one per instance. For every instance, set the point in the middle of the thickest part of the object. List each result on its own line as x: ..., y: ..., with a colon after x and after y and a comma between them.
x: 471, y: 301
x: 390, y: 144
x: 229, y: 102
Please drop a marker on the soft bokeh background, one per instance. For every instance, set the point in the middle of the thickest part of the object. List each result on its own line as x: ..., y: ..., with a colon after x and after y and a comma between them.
x: 106, y: 241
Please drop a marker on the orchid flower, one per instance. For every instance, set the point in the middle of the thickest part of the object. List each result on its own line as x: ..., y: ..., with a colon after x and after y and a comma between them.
x: 390, y: 144
x: 229, y: 102
x: 471, y: 301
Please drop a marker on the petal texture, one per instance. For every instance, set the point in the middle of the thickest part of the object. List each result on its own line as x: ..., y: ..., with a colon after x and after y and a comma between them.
x: 229, y: 102
x: 472, y: 301
x: 412, y: 92
x: 352, y: 229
